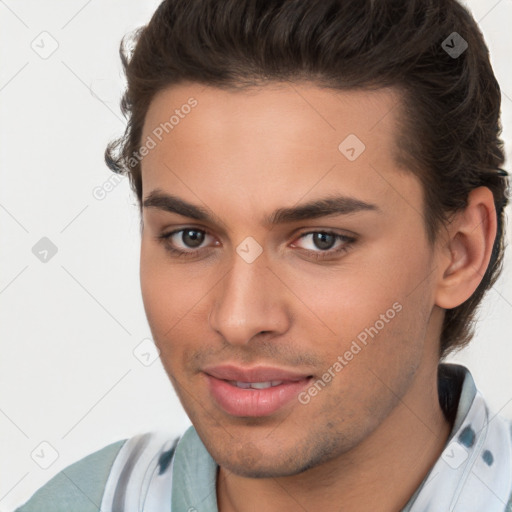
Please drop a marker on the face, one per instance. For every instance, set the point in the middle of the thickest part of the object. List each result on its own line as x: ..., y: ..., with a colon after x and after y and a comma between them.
x: 328, y: 304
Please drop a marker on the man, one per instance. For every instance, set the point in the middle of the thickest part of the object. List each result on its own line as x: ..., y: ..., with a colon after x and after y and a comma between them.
x: 322, y: 211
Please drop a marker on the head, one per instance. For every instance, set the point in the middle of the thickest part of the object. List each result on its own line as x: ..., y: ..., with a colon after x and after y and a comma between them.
x: 242, y: 108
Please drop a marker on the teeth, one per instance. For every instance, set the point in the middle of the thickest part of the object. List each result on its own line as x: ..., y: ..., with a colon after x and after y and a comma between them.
x: 256, y: 385
x: 244, y: 385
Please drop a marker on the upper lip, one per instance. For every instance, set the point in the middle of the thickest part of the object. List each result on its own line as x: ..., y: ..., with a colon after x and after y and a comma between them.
x: 254, y: 374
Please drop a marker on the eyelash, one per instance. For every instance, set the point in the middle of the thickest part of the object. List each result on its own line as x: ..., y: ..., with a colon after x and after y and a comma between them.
x: 316, y: 255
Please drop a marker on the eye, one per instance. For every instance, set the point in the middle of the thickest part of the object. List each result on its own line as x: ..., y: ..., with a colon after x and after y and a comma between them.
x: 321, y: 243
x: 185, y: 242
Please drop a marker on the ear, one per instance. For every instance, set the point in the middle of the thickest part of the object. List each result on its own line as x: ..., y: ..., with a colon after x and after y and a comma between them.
x: 466, y: 250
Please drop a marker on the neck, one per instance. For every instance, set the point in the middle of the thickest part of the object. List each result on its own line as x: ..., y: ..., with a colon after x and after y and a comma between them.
x: 381, y: 473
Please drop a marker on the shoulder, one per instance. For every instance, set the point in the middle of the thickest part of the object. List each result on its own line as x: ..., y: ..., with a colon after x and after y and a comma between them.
x: 110, y: 479
x: 79, y: 486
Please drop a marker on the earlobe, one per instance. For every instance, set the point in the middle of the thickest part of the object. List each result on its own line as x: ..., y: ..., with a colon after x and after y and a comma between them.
x: 471, y: 236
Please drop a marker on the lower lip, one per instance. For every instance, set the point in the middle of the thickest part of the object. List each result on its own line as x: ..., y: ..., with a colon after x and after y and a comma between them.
x: 254, y: 402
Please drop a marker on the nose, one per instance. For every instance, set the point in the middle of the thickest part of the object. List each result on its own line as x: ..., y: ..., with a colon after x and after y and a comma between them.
x: 248, y: 301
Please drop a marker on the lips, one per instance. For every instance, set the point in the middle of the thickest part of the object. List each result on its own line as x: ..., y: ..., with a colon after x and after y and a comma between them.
x: 251, y: 392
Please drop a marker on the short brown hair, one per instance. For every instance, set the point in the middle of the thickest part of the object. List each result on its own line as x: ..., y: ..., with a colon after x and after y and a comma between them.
x: 450, y: 111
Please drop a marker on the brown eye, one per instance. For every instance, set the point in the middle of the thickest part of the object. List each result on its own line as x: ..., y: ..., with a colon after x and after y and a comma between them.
x: 324, y: 241
x: 187, y: 242
x: 192, y: 238
x: 323, y: 245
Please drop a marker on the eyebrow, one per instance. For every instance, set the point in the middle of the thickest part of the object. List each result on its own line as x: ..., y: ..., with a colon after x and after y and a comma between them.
x: 322, y: 207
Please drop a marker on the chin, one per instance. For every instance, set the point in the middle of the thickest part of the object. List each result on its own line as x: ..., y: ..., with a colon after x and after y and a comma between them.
x: 249, y: 462
x: 259, y: 470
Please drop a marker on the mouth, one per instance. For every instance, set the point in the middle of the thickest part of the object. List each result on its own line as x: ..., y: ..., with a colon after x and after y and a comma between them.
x: 254, y: 392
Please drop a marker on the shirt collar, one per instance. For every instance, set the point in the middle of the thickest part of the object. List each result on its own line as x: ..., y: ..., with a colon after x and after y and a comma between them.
x: 474, y: 472
x: 457, y: 391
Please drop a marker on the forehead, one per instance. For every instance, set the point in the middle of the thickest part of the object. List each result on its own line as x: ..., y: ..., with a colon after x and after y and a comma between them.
x: 275, y: 141
x: 284, y: 109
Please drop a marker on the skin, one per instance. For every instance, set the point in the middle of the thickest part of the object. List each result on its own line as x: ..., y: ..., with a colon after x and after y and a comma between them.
x: 367, y: 440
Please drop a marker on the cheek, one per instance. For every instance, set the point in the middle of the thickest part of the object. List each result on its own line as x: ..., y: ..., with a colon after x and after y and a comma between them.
x: 381, y: 303
x: 163, y: 293
x: 349, y: 302
x: 153, y: 288
x: 175, y: 303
